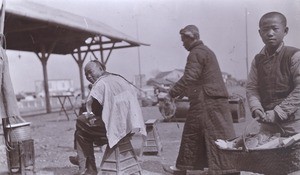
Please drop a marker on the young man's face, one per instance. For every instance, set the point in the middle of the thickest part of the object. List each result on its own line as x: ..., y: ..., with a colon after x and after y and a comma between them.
x: 272, y: 31
x: 92, y: 72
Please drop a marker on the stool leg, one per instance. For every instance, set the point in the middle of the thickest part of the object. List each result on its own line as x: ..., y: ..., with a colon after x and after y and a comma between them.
x: 21, y: 158
x: 8, y: 162
x: 157, y: 140
x: 33, y: 159
x: 142, y: 148
x: 117, y: 153
x: 136, y: 159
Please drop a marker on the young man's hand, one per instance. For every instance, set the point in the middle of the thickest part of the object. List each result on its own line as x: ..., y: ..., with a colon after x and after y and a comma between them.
x: 270, y: 116
x: 259, y: 114
x: 265, y: 117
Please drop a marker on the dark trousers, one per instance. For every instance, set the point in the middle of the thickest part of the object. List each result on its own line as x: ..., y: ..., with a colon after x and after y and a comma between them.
x: 86, y: 137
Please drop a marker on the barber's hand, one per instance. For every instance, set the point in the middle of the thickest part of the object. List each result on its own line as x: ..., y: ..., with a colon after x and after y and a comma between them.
x: 167, y: 97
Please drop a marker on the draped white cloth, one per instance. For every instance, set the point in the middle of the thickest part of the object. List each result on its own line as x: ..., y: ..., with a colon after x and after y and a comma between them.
x: 121, y: 110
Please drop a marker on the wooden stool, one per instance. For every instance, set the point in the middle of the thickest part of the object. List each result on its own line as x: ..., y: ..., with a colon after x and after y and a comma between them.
x: 152, y: 145
x: 237, y: 109
x: 21, y: 156
x: 120, y: 159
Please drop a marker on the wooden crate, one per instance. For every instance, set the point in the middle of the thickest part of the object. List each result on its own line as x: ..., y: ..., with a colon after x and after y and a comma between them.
x: 21, y: 155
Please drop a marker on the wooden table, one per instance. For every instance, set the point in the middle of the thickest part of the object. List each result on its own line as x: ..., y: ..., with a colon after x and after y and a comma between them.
x: 62, y: 100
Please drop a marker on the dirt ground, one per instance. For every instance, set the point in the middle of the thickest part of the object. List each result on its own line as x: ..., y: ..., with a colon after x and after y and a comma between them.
x: 53, y: 142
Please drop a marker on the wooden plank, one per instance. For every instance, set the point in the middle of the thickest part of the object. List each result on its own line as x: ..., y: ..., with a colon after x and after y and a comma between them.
x: 272, y: 144
x: 150, y: 121
x: 291, y: 140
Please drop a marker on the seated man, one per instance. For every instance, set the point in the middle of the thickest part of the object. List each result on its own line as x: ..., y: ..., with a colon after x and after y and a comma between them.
x: 112, y: 113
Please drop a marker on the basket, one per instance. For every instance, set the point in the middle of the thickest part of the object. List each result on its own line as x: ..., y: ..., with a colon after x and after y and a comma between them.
x: 273, y: 161
x: 18, y: 129
x: 167, y: 108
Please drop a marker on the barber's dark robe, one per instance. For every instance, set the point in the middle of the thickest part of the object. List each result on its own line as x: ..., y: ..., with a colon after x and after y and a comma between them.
x: 208, y: 117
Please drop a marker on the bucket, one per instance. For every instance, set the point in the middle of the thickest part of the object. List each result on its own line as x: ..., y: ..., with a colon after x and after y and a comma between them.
x: 19, y: 132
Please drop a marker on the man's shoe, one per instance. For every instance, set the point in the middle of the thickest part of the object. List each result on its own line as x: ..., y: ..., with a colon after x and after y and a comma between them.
x: 74, y: 160
x: 173, y: 170
x: 90, y: 172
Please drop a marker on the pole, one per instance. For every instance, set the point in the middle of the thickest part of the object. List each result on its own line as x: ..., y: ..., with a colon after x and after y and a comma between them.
x: 139, y: 54
x: 246, y: 21
x: 3, y: 5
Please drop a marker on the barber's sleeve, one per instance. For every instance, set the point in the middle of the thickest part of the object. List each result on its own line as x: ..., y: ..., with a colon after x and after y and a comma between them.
x: 292, y: 102
x: 252, y: 89
x: 192, y: 71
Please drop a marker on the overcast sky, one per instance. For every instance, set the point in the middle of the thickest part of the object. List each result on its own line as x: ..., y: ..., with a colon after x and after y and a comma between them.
x: 157, y: 22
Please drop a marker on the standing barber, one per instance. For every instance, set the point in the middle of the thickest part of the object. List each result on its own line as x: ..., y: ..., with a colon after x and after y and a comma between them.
x: 208, y: 117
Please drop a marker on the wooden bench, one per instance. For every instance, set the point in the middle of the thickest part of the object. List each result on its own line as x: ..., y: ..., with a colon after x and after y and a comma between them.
x: 152, y: 145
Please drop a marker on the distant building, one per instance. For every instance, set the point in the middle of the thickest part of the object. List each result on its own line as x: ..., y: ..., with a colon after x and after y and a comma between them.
x: 225, y: 76
x: 166, y: 78
x: 56, y: 87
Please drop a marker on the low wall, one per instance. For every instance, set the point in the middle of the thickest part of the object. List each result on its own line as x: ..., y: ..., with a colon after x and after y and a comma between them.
x: 38, y: 105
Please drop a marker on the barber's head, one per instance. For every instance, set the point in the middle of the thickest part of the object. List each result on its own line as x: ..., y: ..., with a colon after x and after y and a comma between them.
x: 189, y: 35
x: 93, y: 70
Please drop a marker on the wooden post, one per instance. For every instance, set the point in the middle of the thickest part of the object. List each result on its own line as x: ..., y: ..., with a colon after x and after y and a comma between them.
x: 3, y: 156
x: 43, y: 58
x: 80, y: 60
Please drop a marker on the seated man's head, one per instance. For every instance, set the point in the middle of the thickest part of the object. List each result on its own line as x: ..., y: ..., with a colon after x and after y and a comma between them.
x: 93, y: 70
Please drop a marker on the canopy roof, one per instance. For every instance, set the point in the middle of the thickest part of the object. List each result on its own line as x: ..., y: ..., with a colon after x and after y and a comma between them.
x: 29, y: 25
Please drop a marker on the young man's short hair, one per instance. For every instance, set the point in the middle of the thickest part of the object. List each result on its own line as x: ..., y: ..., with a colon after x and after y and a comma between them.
x: 272, y: 14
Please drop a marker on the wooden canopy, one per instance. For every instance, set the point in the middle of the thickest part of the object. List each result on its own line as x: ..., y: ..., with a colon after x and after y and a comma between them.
x: 45, y: 30
x: 28, y: 24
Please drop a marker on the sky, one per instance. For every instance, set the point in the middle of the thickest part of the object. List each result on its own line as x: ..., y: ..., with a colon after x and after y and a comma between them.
x: 222, y: 26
